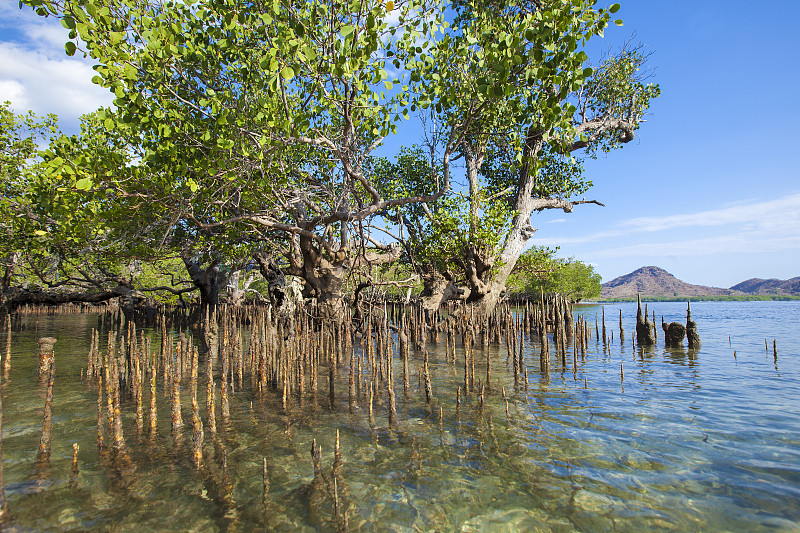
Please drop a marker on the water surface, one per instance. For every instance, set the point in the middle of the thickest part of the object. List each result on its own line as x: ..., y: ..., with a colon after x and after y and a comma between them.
x: 630, y: 439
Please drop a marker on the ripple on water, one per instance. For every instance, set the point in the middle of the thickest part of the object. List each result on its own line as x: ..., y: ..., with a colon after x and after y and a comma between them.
x: 686, y: 441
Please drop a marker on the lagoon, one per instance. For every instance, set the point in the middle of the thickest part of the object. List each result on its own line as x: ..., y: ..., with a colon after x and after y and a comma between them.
x: 629, y: 439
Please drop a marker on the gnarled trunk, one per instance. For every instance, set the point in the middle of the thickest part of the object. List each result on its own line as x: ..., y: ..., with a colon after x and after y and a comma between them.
x: 14, y: 297
x: 8, y: 272
x: 209, y: 281
x: 277, y: 290
x: 324, y: 273
x: 323, y: 276
x: 439, y: 290
x: 234, y: 294
x: 486, y: 284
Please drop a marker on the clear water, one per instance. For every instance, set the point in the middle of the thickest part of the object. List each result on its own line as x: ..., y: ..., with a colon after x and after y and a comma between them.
x: 680, y: 440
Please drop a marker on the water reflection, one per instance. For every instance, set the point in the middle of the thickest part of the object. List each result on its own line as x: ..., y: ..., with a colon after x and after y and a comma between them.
x: 681, y: 356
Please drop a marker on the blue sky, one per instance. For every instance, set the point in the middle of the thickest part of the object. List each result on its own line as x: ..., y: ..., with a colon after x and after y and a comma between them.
x: 709, y: 189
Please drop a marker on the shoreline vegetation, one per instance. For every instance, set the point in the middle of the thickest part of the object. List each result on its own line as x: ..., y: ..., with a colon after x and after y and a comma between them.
x: 706, y: 298
x: 254, y: 145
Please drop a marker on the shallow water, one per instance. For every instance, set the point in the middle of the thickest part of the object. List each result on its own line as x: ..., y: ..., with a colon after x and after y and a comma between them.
x: 679, y: 440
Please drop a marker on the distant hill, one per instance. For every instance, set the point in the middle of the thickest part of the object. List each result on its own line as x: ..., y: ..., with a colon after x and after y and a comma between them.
x: 654, y: 281
x: 769, y: 286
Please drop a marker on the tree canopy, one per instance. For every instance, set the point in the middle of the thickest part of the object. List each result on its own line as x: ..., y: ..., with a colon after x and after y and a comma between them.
x: 540, y: 271
x: 247, y: 131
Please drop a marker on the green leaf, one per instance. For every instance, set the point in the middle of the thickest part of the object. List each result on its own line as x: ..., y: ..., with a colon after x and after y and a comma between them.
x: 70, y: 47
x: 84, y: 184
x: 614, y: 8
x: 130, y: 72
x: 192, y: 185
x: 287, y: 72
x: 225, y: 144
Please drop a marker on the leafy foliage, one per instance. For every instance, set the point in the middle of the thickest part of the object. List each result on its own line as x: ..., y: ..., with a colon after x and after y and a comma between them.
x: 19, y: 139
x: 252, y: 121
x: 241, y: 127
x: 512, y: 94
x: 540, y: 271
x: 437, y: 233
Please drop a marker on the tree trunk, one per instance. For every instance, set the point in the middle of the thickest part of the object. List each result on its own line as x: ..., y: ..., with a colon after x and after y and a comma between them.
x: 488, y: 292
x: 324, y: 273
x: 14, y: 297
x: 209, y: 281
x: 438, y: 291
x: 234, y: 295
x: 276, y: 283
x: 488, y: 285
x: 323, y: 278
x: 330, y: 298
x: 10, y: 266
x: 484, y: 306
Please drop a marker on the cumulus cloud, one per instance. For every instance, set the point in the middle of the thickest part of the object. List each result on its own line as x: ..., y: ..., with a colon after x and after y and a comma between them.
x: 36, y: 74
x: 13, y: 91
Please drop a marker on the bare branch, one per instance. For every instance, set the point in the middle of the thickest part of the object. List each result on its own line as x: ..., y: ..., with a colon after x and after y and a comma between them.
x: 540, y: 204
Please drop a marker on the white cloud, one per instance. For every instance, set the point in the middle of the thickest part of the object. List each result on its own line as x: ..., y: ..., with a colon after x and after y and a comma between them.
x: 756, y: 242
x: 556, y: 221
x: 750, y: 226
x: 752, y: 212
x: 46, y: 35
x: 36, y: 73
x: 13, y: 91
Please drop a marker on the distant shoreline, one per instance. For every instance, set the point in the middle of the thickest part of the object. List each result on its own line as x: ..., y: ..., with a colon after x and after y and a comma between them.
x: 709, y: 298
